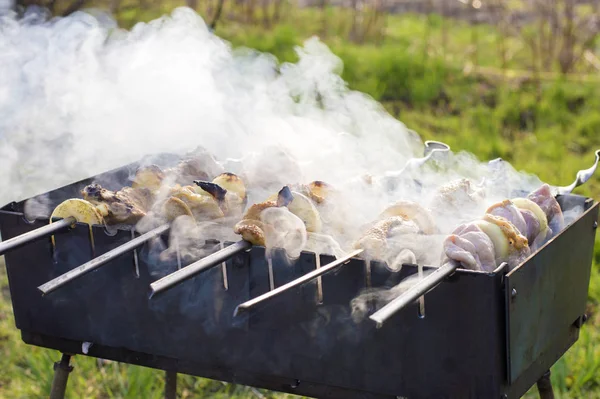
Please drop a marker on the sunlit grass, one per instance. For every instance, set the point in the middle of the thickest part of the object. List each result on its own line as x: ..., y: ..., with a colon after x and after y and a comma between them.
x: 409, y: 82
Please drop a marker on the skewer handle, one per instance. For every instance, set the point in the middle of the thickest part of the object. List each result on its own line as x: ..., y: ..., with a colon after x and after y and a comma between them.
x: 100, y: 260
x: 34, y: 235
x: 412, y: 294
x: 582, y: 177
x: 299, y: 281
x: 198, y: 267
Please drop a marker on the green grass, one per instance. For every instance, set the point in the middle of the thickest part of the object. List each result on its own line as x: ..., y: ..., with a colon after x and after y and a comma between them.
x: 549, y: 128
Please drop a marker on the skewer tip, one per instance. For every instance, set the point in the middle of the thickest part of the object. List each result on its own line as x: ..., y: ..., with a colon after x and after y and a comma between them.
x: 239, y: 309
x: 378, y: 321
x: 43, y: 290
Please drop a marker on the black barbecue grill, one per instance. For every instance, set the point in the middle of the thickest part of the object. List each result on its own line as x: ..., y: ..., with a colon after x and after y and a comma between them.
x: 482, y: 335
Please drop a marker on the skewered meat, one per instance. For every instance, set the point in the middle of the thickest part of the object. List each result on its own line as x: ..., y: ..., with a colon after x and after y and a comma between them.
x: 149, y: 177
x: 197, y: 165
x: 283, y: 230
x: 126, y: 206
x: 412, y: 211
x: 174, y: 207
x: 251, y: 227
x: 471, y: 247
x: 457, y: 194
x: 545, y: 200
x: 233, y: 184
x: 317, y: 190
x: 510, y: 212
x: 399, y: 235
x: 228, y: 190
x: 534, y: 216
x: 375, y: 240
x: 305, y: 209
x: 202, y: 207
x: 508, y: 244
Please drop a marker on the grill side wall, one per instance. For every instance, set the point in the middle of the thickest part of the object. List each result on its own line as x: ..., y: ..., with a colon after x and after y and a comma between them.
x: 456, y: 350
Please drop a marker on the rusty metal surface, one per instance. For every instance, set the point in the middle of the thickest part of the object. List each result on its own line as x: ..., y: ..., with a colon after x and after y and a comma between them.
x: 545, y: 297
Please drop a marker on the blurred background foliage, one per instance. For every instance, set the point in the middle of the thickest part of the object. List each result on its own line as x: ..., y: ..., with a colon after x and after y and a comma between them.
x: 516, y: 79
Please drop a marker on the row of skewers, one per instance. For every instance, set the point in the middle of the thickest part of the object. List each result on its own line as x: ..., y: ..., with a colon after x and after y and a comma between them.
x: 302, y: 217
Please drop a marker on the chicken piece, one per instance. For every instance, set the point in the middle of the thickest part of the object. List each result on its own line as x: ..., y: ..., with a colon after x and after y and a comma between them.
x: 533, y: 228
x: 187, y: 171
x: 545, y: 200
x: 457, y: 195
x: 198, y: 164
x: 200, y: 160
x: 501, y: 242
x: 126, y: 206
x: 174, y: 207
x: 150, y: 177
x: 251, y: 227
x: 375, y: 240
x: 202, y: 207
x: 233, y: 184
x: 509, y: 245
x: 305, y: 209
x: 471, y: 248
x: 319, y: 191
x: 510, y: 212
x: 412, y: 211
x: 536, y: 219
x: 228, y: 190
x: 284, y: 230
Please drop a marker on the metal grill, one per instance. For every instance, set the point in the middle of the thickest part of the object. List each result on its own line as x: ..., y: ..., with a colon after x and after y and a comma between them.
x: 489, y: 335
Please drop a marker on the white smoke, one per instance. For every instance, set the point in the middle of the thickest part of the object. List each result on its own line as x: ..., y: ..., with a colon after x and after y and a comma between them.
x: 79, y: 96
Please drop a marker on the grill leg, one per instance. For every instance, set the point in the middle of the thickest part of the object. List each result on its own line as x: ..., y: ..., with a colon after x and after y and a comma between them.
x: 61, y: 374
x: 544, y: 386
x: 170, y: 384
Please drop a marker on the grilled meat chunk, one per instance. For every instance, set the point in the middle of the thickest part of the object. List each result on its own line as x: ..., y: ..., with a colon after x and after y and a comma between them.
x: 126, y: 206
x: 510, y: 212
x: 545, y: 200
x: 537, y: 222
x: 198, y: 164
x: 228, y: 190
x: 412, y: 211
x: 251, y: 227
x: 375, y: 240
x: 150, y: 177
x: 458, y: 194
x: 202, y: 207
x: 471, y: 247
x: 508, y: 244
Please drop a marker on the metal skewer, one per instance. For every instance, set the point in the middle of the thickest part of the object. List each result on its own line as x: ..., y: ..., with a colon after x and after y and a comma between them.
x: 34, y: 235
x: 413, y: 293
x: 200, y: 266
x: 582, y: 177
x: 100, y: 260
x: 294, y: 283
x: 431, y: 147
